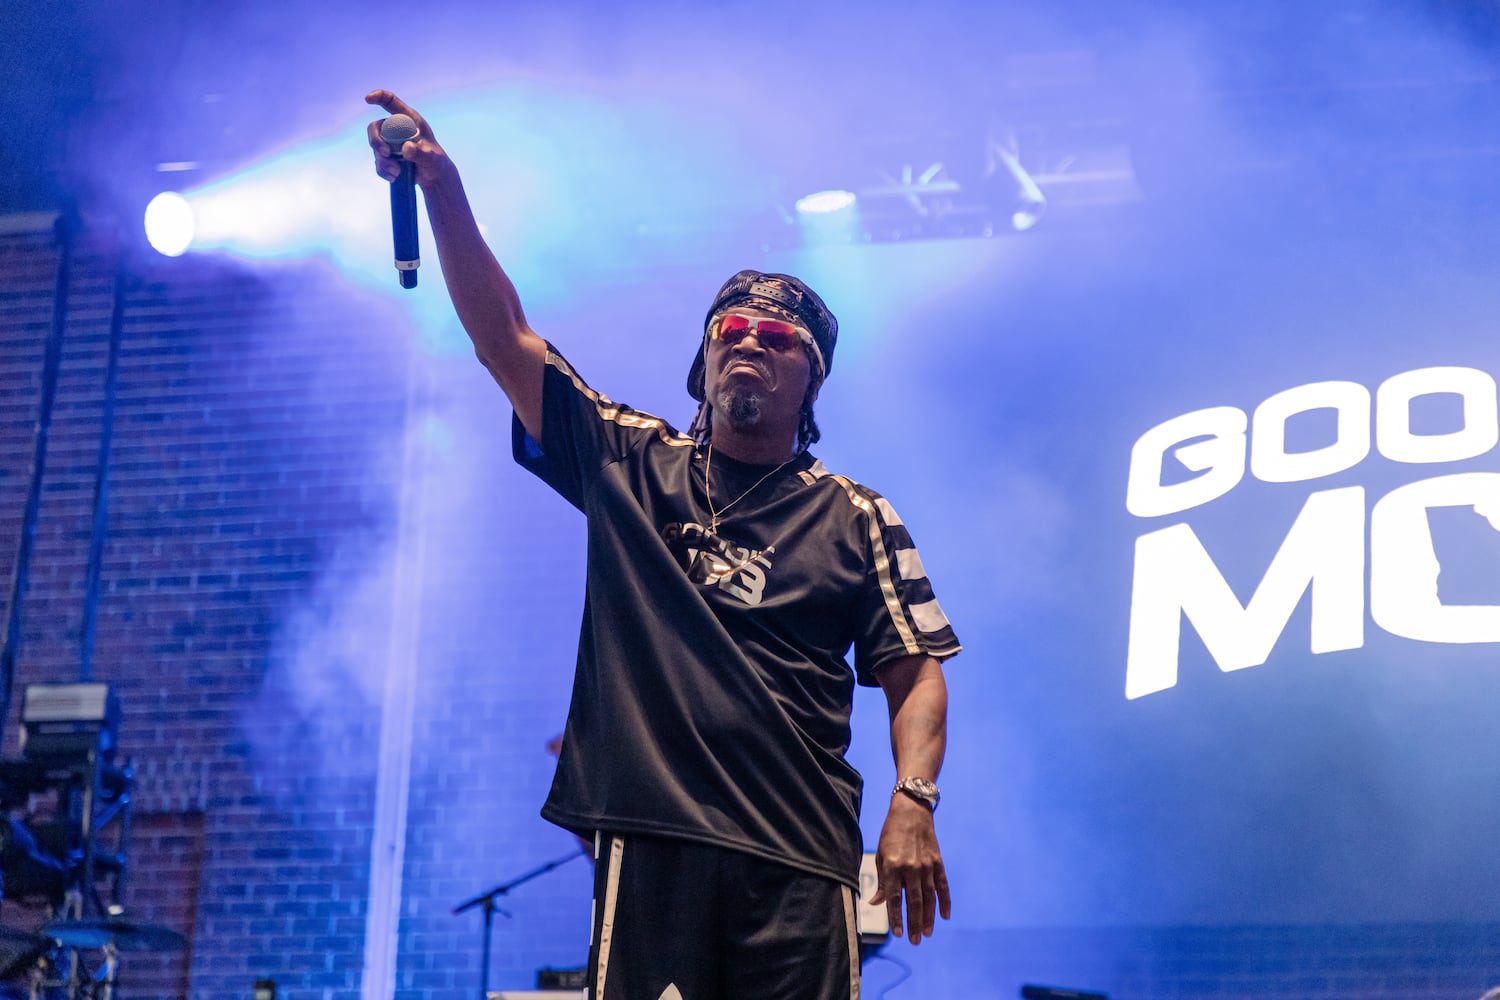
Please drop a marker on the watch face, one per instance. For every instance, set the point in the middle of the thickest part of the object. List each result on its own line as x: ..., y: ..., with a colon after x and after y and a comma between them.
x: 921, y: 788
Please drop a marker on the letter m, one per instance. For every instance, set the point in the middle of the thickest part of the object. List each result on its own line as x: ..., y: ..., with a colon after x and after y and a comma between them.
x: 1175, y: 576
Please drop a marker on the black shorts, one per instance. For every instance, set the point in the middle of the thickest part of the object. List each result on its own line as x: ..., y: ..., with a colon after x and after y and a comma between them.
x: 674, y: 918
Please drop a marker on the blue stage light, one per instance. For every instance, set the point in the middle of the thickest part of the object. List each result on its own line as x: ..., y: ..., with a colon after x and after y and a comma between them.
x: 169, y: 224
x: 825, y: 202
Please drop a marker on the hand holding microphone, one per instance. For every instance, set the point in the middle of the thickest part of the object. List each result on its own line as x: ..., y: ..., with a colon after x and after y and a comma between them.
x: 389, y: 138
x: 396, y: 131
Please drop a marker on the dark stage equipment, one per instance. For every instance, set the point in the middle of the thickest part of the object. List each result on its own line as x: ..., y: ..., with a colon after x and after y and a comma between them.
x: 64, y: 834
x: 487, y: 900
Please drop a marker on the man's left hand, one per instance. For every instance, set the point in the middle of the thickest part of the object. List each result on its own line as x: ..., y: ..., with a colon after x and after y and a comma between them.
x: 908, y: 863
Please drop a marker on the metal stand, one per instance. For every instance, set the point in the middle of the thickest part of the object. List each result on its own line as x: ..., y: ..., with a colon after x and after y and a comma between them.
x: 87, y: 834
x: 487, y: 900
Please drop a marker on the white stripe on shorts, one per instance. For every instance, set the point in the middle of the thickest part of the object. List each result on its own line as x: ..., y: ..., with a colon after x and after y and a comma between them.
x: 853, y: 932
x: 607, y: 919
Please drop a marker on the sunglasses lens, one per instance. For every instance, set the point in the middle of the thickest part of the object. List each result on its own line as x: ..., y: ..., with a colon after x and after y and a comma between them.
x: 732, y: 329
x: 773, y: 334
x: 776, y: 335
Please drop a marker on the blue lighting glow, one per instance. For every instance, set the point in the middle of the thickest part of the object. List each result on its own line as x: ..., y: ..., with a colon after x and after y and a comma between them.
x: 999, y: 390
x: 553, y: 209
x: 169, y: 224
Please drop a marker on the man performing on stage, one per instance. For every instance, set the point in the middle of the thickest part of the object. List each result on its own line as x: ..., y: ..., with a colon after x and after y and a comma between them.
x: 728, y: 573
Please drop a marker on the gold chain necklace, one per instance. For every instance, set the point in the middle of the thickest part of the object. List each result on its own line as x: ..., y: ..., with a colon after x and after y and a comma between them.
x: 708, y: 489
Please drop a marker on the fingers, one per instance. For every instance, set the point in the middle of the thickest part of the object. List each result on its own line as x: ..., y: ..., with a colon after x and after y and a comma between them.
x: 918, y: 912
x: 926, y: 894
x: 895, y: 882
x: 387, y: 161
x: 892, y: 899
x: 396, y: 106
x: 385, y: 164
x: 390, y: 102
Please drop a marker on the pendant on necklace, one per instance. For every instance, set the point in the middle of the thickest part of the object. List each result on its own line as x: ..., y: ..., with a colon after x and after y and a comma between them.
x: 708, y: 489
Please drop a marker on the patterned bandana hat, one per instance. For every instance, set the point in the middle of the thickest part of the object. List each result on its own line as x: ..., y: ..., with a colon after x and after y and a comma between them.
x: 779, y: 293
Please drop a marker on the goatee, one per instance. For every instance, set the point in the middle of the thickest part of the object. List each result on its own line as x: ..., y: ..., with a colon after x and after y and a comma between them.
x: 740, y: 406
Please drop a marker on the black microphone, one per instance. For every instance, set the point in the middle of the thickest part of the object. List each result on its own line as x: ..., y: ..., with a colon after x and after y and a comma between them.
x: 395, y: 131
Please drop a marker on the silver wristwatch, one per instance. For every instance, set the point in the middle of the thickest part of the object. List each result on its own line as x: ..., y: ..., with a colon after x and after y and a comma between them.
x: 920, y: 789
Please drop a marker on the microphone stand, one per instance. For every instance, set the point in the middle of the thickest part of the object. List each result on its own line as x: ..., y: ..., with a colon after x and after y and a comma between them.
x: 487, y: 900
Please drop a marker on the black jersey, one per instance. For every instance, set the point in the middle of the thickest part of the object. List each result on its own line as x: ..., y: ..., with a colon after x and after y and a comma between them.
x: 712, y: 697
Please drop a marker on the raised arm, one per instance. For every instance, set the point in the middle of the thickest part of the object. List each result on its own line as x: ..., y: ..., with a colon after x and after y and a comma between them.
x: 486, y: 301
x: 908, y: 860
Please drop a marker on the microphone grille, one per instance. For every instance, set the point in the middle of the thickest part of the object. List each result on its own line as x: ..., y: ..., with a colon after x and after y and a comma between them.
x: 397, y: 129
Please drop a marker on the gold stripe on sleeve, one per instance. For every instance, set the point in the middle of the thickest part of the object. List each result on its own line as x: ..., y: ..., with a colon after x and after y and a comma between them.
x: 882, y: 566
x: 609, y: 410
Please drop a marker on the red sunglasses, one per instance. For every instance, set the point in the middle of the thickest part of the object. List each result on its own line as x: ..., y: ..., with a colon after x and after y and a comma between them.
x: 773, y: 334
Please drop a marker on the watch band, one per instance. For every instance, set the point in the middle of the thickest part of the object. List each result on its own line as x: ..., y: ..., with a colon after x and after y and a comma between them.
x: 921, y: 789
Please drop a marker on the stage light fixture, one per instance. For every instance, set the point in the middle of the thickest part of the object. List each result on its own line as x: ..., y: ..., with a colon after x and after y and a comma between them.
x: 169, y: 224
x: 1013, y: 190
x: 921, y: 198
x: 826, y: 202
x: 944, y: 187
x: 828, y: 218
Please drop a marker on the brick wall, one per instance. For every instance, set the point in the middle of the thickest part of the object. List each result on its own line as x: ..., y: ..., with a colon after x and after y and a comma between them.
x: 249, y: 478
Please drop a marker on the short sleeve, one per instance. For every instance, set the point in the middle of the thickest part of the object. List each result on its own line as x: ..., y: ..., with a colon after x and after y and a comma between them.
x: 583, y: 431
x: 898, y: 613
